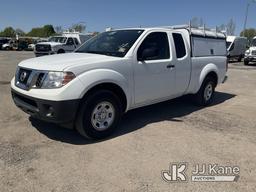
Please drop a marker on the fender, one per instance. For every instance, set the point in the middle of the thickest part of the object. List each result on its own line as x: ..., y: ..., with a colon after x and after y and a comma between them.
x: 95, y: 77
x: 205, y: 71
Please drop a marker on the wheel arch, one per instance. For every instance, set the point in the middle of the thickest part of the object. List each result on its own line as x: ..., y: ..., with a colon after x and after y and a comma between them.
x: 116, y: 89
x: 209, y: 70
x: 108, y: 80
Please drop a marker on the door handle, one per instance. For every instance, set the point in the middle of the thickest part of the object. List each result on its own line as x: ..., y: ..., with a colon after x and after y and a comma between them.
x: 170, y: 66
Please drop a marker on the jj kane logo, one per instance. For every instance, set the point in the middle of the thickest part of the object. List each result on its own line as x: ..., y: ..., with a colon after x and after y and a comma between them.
x: 201, y: 173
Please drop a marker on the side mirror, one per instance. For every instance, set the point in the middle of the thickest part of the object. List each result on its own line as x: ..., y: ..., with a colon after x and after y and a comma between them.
x: 149, y: 53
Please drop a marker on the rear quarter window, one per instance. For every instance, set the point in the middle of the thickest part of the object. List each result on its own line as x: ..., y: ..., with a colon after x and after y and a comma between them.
x: 179, y: 45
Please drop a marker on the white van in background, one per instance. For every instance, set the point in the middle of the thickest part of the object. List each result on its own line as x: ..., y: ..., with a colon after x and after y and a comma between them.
x: 236, y: 47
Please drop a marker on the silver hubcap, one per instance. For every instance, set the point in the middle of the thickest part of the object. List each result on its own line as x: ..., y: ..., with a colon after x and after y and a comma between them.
x: 208, y: 92
x: 103, y: 116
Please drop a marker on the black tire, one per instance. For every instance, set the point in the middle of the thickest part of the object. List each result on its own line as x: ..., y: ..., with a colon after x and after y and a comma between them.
x: 240, y: 58
x: 60, y: 51
x: 200, y: 98
x: 246, y: 62
x: 84, y: 121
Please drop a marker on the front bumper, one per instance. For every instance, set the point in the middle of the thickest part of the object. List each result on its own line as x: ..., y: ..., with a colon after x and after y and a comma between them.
x: 59, y: 112
x: 39, y: 54
x: 250, y: 58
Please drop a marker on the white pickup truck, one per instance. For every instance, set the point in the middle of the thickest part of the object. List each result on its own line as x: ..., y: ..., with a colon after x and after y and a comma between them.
x: 65, y: 43
x: 250, y: 54
x: 117, y: 71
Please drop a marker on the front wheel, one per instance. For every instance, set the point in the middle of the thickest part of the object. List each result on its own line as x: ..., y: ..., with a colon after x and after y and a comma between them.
x: 99, y: 115
x: 206, y: 92
x: 240, y: 58
x: 246, y: 62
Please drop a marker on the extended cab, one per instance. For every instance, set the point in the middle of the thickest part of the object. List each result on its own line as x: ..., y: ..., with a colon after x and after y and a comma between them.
x: 65, y: 43
x: 120, y: 70
x: 250, y: 54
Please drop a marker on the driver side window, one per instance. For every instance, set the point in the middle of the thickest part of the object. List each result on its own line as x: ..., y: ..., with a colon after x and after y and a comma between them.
x: 154, y: 47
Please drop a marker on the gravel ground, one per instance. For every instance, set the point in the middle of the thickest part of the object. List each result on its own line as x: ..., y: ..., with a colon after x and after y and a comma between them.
x: 37, y: 156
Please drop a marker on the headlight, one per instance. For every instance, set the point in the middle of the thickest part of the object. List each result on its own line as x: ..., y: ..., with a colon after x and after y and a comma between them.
x: 57, y: 79
x: 247, y: 52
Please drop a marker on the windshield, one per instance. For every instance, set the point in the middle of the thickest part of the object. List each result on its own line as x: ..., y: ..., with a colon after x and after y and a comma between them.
x: 113, y: 43
x: 254, y: 42
x: 228, y: 44
x: 58, y: 39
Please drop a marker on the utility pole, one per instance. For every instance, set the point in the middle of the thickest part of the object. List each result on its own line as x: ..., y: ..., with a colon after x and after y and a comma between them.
x: 246, y: 17
x: 246, y: 14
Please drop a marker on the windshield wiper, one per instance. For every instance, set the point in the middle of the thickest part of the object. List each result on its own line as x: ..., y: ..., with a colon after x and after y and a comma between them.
x: 101, y: 53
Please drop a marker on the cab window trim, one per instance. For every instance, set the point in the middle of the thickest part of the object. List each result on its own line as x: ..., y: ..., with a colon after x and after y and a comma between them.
x: 168, y: 41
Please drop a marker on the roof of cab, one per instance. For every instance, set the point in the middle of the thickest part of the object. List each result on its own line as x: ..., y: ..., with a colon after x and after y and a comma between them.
x: 193, y: 31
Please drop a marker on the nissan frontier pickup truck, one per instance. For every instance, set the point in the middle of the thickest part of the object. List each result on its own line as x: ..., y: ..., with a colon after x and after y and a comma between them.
x: 117, y: 71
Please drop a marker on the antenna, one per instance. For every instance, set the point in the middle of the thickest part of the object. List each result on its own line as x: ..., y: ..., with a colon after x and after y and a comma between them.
x: 190, y: 27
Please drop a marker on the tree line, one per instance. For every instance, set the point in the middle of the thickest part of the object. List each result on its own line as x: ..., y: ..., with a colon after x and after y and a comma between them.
x: 45, y: 31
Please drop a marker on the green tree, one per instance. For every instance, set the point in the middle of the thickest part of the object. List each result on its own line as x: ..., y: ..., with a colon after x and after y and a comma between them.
x: 249, y: 33
x: 44, y: 31
x: 48, y: 30
x: 8, y: 32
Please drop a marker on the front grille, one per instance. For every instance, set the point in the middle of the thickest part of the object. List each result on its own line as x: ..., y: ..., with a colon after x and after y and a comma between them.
x: 43, y: 48
x: 39, y: 80
x: 23, y: 75
x: 253, y: 52
x: 26, y: 79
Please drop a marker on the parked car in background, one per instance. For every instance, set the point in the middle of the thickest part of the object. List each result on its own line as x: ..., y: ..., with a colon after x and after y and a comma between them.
x: 117, y: 71
x: 236, y: 47
x: 31, y: 46
x: 250, y: 54
x: 3, y: 41
x: 65, y: 43
x: 22, y: 45
x: 10, y: 45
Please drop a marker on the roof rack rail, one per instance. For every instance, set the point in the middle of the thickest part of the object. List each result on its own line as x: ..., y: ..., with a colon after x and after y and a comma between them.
x: 200, y: 31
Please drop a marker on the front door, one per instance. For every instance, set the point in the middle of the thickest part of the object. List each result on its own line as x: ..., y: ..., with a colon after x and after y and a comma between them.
x: 154, y: 70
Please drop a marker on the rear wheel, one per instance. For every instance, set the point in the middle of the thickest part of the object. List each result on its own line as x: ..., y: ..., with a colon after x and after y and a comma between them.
x: 99, y: 115
x: 206, y: 92
x: 240, y: 58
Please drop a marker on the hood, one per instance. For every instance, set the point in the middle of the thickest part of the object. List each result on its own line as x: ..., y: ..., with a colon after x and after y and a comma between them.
x: 60, y: 62
x: 50, y: 43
